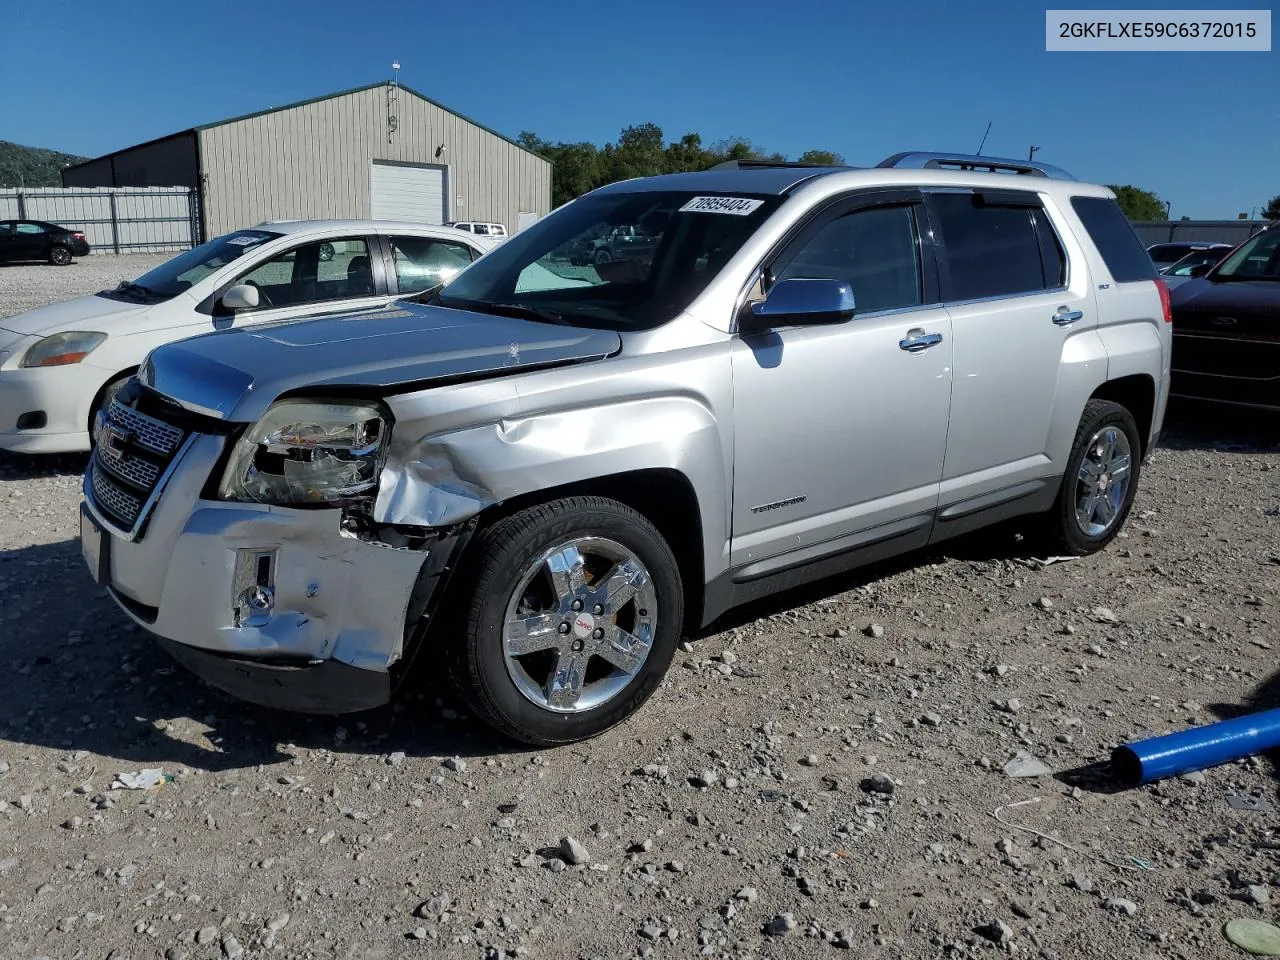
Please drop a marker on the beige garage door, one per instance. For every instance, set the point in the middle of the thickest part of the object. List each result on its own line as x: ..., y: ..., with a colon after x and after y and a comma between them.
x: 404, y: 192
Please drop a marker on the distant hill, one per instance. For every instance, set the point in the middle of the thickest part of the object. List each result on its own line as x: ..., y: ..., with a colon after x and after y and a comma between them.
x: 32, y: 166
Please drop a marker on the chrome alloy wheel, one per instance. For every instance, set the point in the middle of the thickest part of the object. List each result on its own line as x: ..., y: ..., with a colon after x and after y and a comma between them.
x: 1102, y: 482
x: 579, y: 625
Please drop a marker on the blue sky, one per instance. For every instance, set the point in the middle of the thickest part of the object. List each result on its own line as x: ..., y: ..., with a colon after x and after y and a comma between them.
x: 1200, y: 129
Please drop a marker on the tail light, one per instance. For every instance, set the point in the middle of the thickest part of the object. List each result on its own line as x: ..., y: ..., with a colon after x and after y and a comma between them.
x: 78, y: 235
x: 1165, y: 303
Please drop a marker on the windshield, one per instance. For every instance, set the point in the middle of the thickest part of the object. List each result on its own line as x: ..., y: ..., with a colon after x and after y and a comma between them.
x: 187, y: 269
x: 1198, y: 258
x: 619, y: 261
x: 1255, y: 259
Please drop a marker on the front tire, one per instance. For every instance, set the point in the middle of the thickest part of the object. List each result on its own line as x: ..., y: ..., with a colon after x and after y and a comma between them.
x: 1100, y: 482
x: 104, y: 401
x: 60, y: 256
x: 572, y: 614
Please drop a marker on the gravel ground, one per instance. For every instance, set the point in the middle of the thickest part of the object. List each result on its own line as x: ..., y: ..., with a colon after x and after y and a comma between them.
x: 818, y: 774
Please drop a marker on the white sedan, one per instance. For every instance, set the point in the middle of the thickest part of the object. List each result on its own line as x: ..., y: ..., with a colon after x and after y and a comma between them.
x: 61, y: 363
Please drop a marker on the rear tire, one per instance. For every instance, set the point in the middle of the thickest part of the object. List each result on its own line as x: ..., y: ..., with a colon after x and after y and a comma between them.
x: 568, y: 622
x: 1099, y: 484
x: 60, y: 256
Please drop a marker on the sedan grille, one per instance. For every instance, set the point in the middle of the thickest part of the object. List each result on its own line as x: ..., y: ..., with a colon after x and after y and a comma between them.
x: 130, y: 459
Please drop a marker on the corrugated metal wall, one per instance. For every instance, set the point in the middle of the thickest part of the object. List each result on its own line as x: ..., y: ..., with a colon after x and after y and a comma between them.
x: 169, y: 162
x: 314, y: 160
x: 1205, y: 231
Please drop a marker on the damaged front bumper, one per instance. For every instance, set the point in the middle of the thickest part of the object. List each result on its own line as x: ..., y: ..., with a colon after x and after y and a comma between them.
x: 278, y: 606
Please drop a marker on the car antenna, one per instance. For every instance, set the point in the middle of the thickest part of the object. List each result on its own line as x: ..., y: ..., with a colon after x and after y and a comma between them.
x: 984, y: 139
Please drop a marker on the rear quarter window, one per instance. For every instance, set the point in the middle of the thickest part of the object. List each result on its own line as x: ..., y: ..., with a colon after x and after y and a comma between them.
x: 1112, y: 234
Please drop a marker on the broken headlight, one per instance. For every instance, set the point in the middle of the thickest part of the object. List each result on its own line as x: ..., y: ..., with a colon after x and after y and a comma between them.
x: 308, y: 452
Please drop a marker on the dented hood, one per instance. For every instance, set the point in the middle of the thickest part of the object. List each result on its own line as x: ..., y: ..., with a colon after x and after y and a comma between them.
x: 236, y: 374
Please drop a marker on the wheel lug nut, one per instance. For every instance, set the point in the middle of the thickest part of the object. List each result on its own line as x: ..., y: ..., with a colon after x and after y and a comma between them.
x: 577, y: 605
x: 597, y: 609
x: 597, y: 633
x: 564, y: 628
x: 577, y: 646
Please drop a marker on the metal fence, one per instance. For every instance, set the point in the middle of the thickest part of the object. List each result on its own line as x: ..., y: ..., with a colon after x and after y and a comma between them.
x: 1204, y: 231
x: 114, y: 219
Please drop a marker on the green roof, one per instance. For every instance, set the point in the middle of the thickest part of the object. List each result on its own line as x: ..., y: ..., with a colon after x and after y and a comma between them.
x: 368, y: 86
x: 303, y: 103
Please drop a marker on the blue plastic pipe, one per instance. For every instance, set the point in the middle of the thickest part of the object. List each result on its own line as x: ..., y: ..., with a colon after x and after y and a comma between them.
x: 1197, y: 748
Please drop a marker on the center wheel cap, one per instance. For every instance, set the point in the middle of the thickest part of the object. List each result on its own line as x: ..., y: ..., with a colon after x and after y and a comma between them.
x: 584, y: 624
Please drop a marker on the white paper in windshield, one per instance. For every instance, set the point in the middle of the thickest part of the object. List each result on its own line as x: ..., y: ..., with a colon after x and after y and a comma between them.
x: 737, y: 206
x: 244, y: 241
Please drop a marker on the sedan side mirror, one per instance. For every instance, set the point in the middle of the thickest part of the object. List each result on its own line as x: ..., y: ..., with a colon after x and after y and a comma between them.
x: 804, y: 301
x: 243, y: 296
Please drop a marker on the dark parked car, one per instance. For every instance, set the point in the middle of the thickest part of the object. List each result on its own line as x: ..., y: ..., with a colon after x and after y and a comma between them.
x: 1194, y: 264
x: 1167, y: 254
x: 1226, y: 327
x: 37, y: 240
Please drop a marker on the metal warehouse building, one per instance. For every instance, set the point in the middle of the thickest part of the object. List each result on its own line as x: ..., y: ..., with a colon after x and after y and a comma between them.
x: 381, y: 151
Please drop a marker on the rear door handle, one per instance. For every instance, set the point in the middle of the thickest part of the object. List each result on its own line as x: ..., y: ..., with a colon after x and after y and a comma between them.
x: 917, y: 340
x: 1065, y: 317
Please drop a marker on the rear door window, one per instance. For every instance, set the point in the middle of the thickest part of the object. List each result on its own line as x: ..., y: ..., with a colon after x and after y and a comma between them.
x: 992, y: 248
x: 423, y: 262
x: 1112, y: 234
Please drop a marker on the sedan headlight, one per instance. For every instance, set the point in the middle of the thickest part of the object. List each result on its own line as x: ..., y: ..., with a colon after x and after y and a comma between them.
x: 63, y: 348
x: 308, y: 452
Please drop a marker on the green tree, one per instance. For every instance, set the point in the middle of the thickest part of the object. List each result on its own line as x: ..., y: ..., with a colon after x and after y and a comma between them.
x: 579, y: 168
x: 639, y: 152
x: 1272, y: 210
x: 824, y: 157
x: 688, y: 154
x: 1139, y: 204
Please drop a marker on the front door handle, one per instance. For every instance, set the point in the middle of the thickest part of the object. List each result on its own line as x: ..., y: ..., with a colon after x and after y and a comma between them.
x: 917, y: 340
x: 1065, y: 317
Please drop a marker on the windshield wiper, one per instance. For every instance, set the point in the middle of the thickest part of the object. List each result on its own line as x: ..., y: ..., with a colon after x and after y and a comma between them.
x: 521, y: 311
x: 128, y: 286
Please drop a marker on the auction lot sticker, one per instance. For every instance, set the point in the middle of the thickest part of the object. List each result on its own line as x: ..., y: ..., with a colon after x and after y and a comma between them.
x: 1118, y: 31
x: 738, y: 206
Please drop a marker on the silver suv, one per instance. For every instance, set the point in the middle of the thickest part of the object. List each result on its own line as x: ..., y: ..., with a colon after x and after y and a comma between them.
x: 540, y: 475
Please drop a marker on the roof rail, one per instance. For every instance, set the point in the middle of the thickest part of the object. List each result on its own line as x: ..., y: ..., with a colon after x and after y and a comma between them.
x: 924, y: 160
x: 767, y: 164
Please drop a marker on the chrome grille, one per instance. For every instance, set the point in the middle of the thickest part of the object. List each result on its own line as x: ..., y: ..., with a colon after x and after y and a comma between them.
x: 141, y: 473
x: 133, y: 452
x: 114, y: 500
x: 154, y: 435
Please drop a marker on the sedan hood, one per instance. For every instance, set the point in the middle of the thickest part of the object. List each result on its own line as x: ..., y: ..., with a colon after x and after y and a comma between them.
x: 1231, y: 296
x: 236, y: 374
x: 82, y: 313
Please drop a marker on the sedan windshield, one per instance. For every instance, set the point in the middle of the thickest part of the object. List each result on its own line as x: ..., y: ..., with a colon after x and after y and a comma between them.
x: 187, y: 269
x: 618, y: 261
x: 1256, y: 259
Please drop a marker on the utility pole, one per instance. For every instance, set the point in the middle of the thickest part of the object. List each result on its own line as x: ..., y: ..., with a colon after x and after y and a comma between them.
x: 1168, y: 210
x: 1031, y: 154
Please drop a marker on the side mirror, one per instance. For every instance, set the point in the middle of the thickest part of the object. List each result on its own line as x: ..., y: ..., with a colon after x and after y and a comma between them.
x: 1200, y: 269
x: 803, y: 301
x: 241, y: 297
